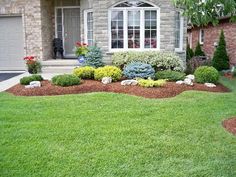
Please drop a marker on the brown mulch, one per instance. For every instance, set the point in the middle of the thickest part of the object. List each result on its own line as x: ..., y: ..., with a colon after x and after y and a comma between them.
x: 230, y: 125
x: 171, y: 89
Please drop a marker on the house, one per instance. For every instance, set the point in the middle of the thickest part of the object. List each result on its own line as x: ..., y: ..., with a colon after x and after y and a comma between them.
x: 28, y: 27
x: 208, y: 37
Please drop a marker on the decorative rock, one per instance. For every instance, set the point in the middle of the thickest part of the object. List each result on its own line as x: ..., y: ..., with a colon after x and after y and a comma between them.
x: 191, y: 77
x: 188, y: 82
x: 33, y: 84
x: 180, y: 82
x: 106, y: 80
x: 210, y: 85
x: 129, y: 82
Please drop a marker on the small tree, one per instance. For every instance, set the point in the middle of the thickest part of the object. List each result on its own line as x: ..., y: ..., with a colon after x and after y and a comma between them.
x: 221, y: 59
x: 198, y: 50
x: 189, y: 53
x: 94, y: 57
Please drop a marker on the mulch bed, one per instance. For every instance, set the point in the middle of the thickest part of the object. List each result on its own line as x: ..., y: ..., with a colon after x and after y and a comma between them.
x: 230, y: 125
x: 171, y: 89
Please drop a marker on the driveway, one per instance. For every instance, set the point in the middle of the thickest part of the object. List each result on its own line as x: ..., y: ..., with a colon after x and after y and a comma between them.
x: 6, y: 76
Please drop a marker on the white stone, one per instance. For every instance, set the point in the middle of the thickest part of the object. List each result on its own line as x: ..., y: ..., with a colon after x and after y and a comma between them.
x: 129, y: 82
x: 180, y: 82
x: 191, y: 77
x: 188, y: 82
x: 35, y: 83
x: 106, y: 80
x: 210, y: 85
x: 29, y: 87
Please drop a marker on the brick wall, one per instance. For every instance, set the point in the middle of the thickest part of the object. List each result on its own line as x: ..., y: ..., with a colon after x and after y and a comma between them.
x: 212, y: 34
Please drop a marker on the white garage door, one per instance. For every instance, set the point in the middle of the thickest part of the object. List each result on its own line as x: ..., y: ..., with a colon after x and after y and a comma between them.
x: 11, y: 44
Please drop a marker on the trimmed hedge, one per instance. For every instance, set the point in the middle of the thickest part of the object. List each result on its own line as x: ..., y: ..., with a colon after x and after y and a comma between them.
x: 138, y: 70
x: 86, y: 72
x: 158, y: 60
x: 108, y: 71
x: 66, y: 80
x: 28, y: 79
x: 206, y: 74
x: 170, y: 75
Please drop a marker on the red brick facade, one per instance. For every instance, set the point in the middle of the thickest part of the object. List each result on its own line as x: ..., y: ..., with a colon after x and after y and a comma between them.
x: 212, y: 34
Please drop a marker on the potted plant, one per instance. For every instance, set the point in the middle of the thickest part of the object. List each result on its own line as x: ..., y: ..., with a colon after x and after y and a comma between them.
x: 81, y: 49
x: 33, y: 65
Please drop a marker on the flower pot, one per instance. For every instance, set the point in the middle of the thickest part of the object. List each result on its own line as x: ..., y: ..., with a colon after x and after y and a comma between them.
x: 81, y: 59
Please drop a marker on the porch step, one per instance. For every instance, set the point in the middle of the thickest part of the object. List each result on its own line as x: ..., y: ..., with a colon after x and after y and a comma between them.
x: 59, y: 66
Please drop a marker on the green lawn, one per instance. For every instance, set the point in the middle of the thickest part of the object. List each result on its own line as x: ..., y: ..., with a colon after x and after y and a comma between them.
x: 106, y: 135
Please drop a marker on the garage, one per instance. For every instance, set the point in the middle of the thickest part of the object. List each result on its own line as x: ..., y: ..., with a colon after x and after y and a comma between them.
x: 11, y: 43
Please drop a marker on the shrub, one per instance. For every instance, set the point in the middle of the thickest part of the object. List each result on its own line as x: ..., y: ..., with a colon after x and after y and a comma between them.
x: 198, y: 51
x: 66, y: 80
x: 234, y: 72
x: 221, y: 59
x: 205, y: 74
x: 138, y: 70
x: 151, y: 83
x: 170, y: 75
x: 189, y: 53
x: 28, y: 79
x: 158, y: 60
x: 108, y: 71
x: 196, y: 62
x: 86, y: 72
x: 94, y: 57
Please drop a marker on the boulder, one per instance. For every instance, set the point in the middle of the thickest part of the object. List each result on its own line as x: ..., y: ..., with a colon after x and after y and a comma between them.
x: 129, y: 82
x: 33, y: 84
x: 191, y: 77
x: 210, y: 85
x: 106, y: 80
x: 180, y: 82
x: 188, y: 82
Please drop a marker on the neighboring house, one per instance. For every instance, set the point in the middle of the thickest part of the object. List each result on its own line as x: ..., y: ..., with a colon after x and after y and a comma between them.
x: 28, y: 27
x: 208, y: 37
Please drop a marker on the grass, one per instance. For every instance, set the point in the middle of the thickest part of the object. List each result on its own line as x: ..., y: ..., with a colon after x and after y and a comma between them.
x: 106, y: 135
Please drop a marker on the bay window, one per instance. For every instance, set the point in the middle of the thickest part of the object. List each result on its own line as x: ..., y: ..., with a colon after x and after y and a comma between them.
x: 134, y: 25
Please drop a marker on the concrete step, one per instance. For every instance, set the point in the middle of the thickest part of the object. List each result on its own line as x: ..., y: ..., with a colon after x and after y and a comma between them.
x: 65, y: 66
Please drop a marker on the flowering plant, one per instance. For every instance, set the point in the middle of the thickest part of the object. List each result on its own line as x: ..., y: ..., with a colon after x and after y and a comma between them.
x: 33, y: 65
x: 81, y: 49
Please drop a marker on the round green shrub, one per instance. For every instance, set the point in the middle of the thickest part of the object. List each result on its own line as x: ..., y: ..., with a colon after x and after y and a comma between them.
x: 94, y: 57
x: 139, y: 70
x: 108, y: 71
x: 170, y: 75
x: 66, y: 80
x: 28, y: 79
x: 205, y: 74
x: 86, y: 72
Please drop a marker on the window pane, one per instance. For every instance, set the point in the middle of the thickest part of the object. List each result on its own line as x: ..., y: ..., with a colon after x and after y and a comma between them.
x: 90, y: 28
x: 177, y: 30
x: 150, y: 29
x: 117, y: 29
x: 134, y: 29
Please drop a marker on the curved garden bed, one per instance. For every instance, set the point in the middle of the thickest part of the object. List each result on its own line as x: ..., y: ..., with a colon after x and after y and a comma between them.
x: 230, y: 125
x: 171, y: 89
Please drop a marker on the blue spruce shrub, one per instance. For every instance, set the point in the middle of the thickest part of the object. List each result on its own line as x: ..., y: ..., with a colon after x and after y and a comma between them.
x: 139, y: 70
x: 94, y: 57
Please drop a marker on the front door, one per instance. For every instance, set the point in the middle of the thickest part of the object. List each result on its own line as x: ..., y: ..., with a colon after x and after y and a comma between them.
x: 71, y: 30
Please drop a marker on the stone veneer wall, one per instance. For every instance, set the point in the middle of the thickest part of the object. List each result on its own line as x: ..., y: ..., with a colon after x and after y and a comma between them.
x: 30, y: 11
x: 167, y: 26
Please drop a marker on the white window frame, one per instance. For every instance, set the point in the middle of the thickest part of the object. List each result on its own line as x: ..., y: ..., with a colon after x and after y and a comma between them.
x: 181, y: 40
x: 201, y: 40
x: 142, y: 27
x: 86, y: 25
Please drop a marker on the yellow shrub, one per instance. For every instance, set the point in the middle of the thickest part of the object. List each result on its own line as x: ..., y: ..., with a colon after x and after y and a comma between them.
x: 151, y: 83
x: 86, y: 72
x: 108, y: 71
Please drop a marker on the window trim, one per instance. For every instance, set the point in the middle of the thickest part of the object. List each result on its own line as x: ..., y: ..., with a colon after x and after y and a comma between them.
x: 86, y: 25
x: 142, y: 27
x: 201, y: 40
x: 181, y: 40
